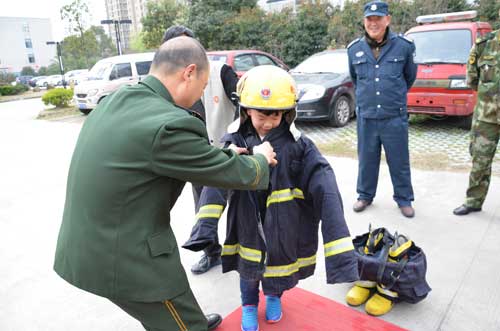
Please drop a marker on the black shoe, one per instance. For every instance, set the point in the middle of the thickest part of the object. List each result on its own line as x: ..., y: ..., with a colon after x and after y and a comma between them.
x: 205, y: 264
x: 214, y: 320
x: 464, y: 210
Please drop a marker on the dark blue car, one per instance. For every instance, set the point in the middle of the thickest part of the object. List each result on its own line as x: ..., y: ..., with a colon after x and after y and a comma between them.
x: 325, y: 88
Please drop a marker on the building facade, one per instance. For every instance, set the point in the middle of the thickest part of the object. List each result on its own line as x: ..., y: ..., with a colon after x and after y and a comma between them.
x: 134, y: 10
x: 138, y: 10
x: 23, y: 43
x: 120, y: 10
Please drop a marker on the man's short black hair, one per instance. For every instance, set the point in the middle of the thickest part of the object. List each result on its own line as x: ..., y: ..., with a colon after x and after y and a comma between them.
x: 177, y: 31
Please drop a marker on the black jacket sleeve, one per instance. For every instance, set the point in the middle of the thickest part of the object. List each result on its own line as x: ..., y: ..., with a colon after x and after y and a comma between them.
x: 229, y: 81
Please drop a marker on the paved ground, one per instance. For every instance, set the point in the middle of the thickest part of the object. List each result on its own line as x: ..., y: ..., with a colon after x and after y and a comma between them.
x: 462, y: 252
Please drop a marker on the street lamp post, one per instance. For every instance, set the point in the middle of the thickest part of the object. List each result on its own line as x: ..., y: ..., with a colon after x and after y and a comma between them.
x: 117, y: 24
x: 59, y: 55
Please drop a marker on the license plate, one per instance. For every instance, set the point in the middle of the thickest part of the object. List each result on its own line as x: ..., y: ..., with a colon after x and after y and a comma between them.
x: 82, y: 106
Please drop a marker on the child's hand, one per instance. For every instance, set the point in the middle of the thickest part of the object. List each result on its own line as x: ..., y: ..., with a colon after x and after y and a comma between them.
x: 238, y: 150
x: 267, y: 150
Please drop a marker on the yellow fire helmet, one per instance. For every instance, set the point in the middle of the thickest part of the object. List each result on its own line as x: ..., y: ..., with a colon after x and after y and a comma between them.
x: 267, y: 87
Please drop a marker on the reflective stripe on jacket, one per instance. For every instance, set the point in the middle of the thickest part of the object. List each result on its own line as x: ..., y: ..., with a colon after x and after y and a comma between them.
x: 280, y: 248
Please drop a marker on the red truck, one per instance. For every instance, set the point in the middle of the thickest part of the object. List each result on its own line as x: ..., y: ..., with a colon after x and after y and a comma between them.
x: 443, y: 43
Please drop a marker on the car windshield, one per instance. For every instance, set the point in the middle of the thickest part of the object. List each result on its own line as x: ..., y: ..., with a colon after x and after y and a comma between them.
x: 217, y: 57
x: 331, y: 62
x: 434, y: 47
x: 98, y: 70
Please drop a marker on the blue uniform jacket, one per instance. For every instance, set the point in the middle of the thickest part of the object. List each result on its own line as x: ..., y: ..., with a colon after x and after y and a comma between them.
x: 273, y: 235
x: 382, y: 84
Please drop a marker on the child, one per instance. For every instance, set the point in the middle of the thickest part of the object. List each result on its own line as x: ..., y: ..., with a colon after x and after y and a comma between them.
x: 272, y: 235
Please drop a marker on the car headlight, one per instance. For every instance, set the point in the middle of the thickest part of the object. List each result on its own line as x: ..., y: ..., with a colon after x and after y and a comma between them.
x: 312, y: 92
x: 93, y: 92
x: 458, y: 83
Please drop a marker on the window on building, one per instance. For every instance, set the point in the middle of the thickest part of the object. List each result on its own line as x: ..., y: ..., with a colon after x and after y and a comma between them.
x: 31, y: 58
x: 28, y: 43
x: 26, y: 27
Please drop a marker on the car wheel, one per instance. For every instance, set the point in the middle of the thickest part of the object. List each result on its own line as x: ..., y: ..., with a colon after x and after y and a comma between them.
x: 465, y: 122
x: 340, y: 112
x: 85, y: 111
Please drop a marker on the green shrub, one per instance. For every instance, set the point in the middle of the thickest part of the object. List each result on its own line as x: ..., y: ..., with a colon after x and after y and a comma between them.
x: 12, y: 89
x: 58, y: 97
x: 22, y: 88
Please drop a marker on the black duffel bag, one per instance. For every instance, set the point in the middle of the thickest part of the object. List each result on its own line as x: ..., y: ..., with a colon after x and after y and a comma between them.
x: 404, y: 275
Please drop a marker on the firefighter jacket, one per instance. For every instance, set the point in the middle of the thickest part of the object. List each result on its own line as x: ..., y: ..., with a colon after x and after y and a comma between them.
x: 272, y: 235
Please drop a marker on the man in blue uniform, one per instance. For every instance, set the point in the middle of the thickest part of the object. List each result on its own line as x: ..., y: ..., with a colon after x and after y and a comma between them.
x: 382, y: 69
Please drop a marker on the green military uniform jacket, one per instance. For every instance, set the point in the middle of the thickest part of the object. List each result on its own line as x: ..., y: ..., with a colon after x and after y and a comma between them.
x: 483, y: 75
x: 134, y: 154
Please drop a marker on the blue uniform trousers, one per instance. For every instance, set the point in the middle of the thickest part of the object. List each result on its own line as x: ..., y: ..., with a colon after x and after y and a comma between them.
x: 392, y: 134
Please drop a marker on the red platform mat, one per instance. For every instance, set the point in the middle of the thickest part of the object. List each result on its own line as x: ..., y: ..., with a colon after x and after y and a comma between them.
x: 306, y: 311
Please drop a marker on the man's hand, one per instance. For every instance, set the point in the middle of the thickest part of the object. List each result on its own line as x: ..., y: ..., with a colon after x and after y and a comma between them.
x: 239, y: 150
x: 267, y: 150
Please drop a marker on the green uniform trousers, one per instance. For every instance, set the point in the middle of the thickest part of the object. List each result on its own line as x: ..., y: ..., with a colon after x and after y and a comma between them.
x: 483, y: 146
x: 181, y: 313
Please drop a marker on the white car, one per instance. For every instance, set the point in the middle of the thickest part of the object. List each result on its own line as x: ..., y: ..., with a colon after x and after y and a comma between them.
x: 108, y: 75
x: 76, y: 76
x: 54, y: 80
x: 42, y: 82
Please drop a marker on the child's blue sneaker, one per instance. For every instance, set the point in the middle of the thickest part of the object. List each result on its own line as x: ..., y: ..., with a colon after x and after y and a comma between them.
x: 249, y: 320
x: 273, y: 309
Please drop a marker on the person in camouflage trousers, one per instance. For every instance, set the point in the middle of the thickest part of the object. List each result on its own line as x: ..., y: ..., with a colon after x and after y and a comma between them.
x: 483, y: 75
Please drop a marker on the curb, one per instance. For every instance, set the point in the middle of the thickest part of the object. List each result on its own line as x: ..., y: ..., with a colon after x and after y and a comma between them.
x: 20, y: 97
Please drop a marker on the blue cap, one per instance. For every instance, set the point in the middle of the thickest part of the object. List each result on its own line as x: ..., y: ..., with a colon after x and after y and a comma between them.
x: 376, y: 8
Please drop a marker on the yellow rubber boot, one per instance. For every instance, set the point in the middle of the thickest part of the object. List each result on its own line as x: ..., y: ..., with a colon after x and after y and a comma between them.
x: 357, y: 295
x: 378, y: 305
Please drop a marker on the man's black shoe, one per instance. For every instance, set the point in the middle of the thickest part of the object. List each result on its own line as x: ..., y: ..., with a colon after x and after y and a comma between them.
x: 214, y: 320
x: 205, y: 264
x: 464, y: 210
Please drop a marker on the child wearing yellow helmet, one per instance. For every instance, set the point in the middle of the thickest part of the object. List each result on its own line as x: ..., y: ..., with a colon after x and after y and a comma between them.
x: 272, y: 235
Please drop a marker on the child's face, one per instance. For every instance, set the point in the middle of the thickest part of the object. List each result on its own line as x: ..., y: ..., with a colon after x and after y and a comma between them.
x: 262, y: 123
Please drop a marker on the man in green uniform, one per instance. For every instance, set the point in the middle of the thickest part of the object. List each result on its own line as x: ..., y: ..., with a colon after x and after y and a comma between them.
x: 134, y: 154
x: 483, y: 75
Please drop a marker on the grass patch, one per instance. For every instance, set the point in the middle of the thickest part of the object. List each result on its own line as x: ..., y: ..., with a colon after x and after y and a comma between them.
x: 58, y: 112
x: 418, y: 118
x: 431, y: 161
x: 428, y: 161
x: 342, y: 148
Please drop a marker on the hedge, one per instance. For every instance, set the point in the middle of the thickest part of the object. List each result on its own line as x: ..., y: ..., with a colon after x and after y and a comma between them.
x: 12, y: 89
x: 58, y: 97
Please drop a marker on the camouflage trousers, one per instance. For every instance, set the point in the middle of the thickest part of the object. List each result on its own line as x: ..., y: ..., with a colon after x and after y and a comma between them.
x: 483, y: 145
